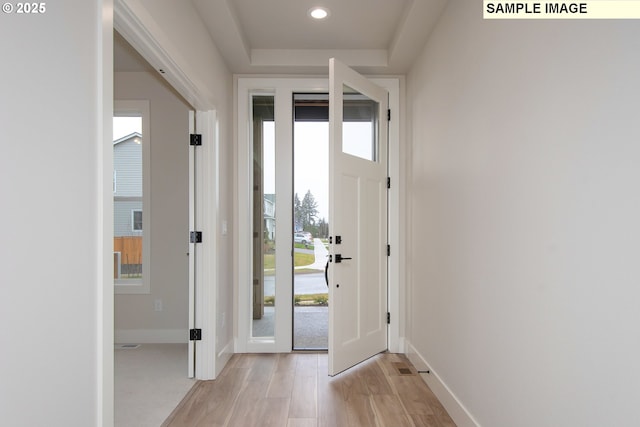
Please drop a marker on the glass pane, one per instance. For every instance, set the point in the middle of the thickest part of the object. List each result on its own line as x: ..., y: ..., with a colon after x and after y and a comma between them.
x: 127, y: 199
x: 264, y: 217
x: 360, y: 125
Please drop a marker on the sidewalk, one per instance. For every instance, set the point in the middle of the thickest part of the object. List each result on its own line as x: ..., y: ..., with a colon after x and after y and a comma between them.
x: 320, y: 253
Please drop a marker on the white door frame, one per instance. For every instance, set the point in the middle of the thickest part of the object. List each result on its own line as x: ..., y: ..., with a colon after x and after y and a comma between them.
x: 282, y: 88
x: 129, y: 21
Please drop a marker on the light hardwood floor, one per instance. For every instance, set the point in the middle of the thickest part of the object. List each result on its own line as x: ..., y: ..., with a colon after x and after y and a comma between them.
x: 293, y: 390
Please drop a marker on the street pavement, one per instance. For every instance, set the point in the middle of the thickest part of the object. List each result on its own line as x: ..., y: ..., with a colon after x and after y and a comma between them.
x: 304, y: 284
x: 307, y: 283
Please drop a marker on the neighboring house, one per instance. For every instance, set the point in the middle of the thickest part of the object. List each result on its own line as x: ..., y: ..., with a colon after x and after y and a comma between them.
x: 127, y: 185
x: 127, y: 205
x: 270, y: 216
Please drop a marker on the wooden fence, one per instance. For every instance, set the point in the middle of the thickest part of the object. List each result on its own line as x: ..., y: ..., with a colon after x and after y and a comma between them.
x: 130, y: 249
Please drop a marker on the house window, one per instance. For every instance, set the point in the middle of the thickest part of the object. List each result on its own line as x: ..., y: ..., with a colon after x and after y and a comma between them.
x: 136, y: 220
x: 131, y: 184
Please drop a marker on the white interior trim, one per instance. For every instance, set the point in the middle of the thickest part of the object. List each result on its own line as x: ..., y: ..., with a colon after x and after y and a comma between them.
x: 460, y: 415
x: 133, y: 22
x: 191, y: 368
x: 104, y: 201
x: 284, y: 219
x: 396, y: 230
x: 207, y: 198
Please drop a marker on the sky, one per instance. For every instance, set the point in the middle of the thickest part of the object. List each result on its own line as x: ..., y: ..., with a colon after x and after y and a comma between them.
x: 311, y: 162
x: 311, y: 157
x: 123, y: 126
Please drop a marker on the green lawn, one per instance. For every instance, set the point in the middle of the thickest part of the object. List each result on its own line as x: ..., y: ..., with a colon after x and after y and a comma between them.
x: 312, y: 299
x: 298, y: 260
x: 301, y: 246
x: 302, y: 259
x: 306, y: 300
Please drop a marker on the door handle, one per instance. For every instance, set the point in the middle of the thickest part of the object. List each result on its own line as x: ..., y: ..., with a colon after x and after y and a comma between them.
x: 326, y: 273
x: 340, y: 258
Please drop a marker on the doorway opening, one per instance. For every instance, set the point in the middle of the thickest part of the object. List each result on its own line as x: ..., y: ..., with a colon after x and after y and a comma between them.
x: 265, y: 109
x: 150, y: 270
x: 310, y: 221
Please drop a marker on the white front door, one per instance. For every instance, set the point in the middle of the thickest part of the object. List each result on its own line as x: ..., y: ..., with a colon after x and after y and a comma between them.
x: 357, y: 218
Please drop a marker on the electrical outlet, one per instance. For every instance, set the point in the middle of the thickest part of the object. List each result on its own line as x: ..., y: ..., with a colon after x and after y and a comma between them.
x: 158, y: 305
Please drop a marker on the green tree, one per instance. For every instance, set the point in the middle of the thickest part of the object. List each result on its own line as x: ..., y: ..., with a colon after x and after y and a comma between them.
x: 297, y: 212
x: 309, y: 211
x: 323, y: 228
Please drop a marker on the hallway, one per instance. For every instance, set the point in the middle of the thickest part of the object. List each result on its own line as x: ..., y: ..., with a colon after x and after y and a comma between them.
x: 293, y: 390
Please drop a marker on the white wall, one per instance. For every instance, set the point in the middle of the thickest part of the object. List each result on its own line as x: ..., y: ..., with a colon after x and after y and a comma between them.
x: 136, y: 319
x: 525, y: 219
x: 54, y: 93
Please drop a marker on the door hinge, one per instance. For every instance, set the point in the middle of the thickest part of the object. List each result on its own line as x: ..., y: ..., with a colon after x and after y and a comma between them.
x: 195, y: 139
x: 388, y: 250
x: 388, y: 318
x: 195, y: 237
x: 195, y: 334
x: 388, y: 182
x: 389, y: 115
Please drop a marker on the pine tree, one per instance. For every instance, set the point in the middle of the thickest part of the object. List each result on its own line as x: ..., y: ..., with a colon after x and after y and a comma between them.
x: 297, y: 213
x: 309, y: 211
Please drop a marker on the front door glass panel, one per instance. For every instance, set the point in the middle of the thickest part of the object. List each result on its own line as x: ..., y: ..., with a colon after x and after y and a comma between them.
x: 359, y: 126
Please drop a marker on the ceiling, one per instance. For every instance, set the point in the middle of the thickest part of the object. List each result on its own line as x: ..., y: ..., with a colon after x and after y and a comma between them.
x: 278, y: 36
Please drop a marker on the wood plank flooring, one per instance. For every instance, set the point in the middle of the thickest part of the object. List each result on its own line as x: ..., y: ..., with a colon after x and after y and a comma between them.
x: 294, y: 390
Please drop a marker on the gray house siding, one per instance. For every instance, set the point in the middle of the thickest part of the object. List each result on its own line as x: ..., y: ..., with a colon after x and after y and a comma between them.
x: 270, y: 216
x: 127, y: 184
x: 123, y: 218
x: 127, y: 159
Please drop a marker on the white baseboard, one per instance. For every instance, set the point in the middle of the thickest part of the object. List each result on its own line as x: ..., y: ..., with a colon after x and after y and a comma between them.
x: 454, y: 407
x: 151, y: 336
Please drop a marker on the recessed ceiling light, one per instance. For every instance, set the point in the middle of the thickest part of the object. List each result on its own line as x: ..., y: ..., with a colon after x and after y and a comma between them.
x: 318, y: 12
